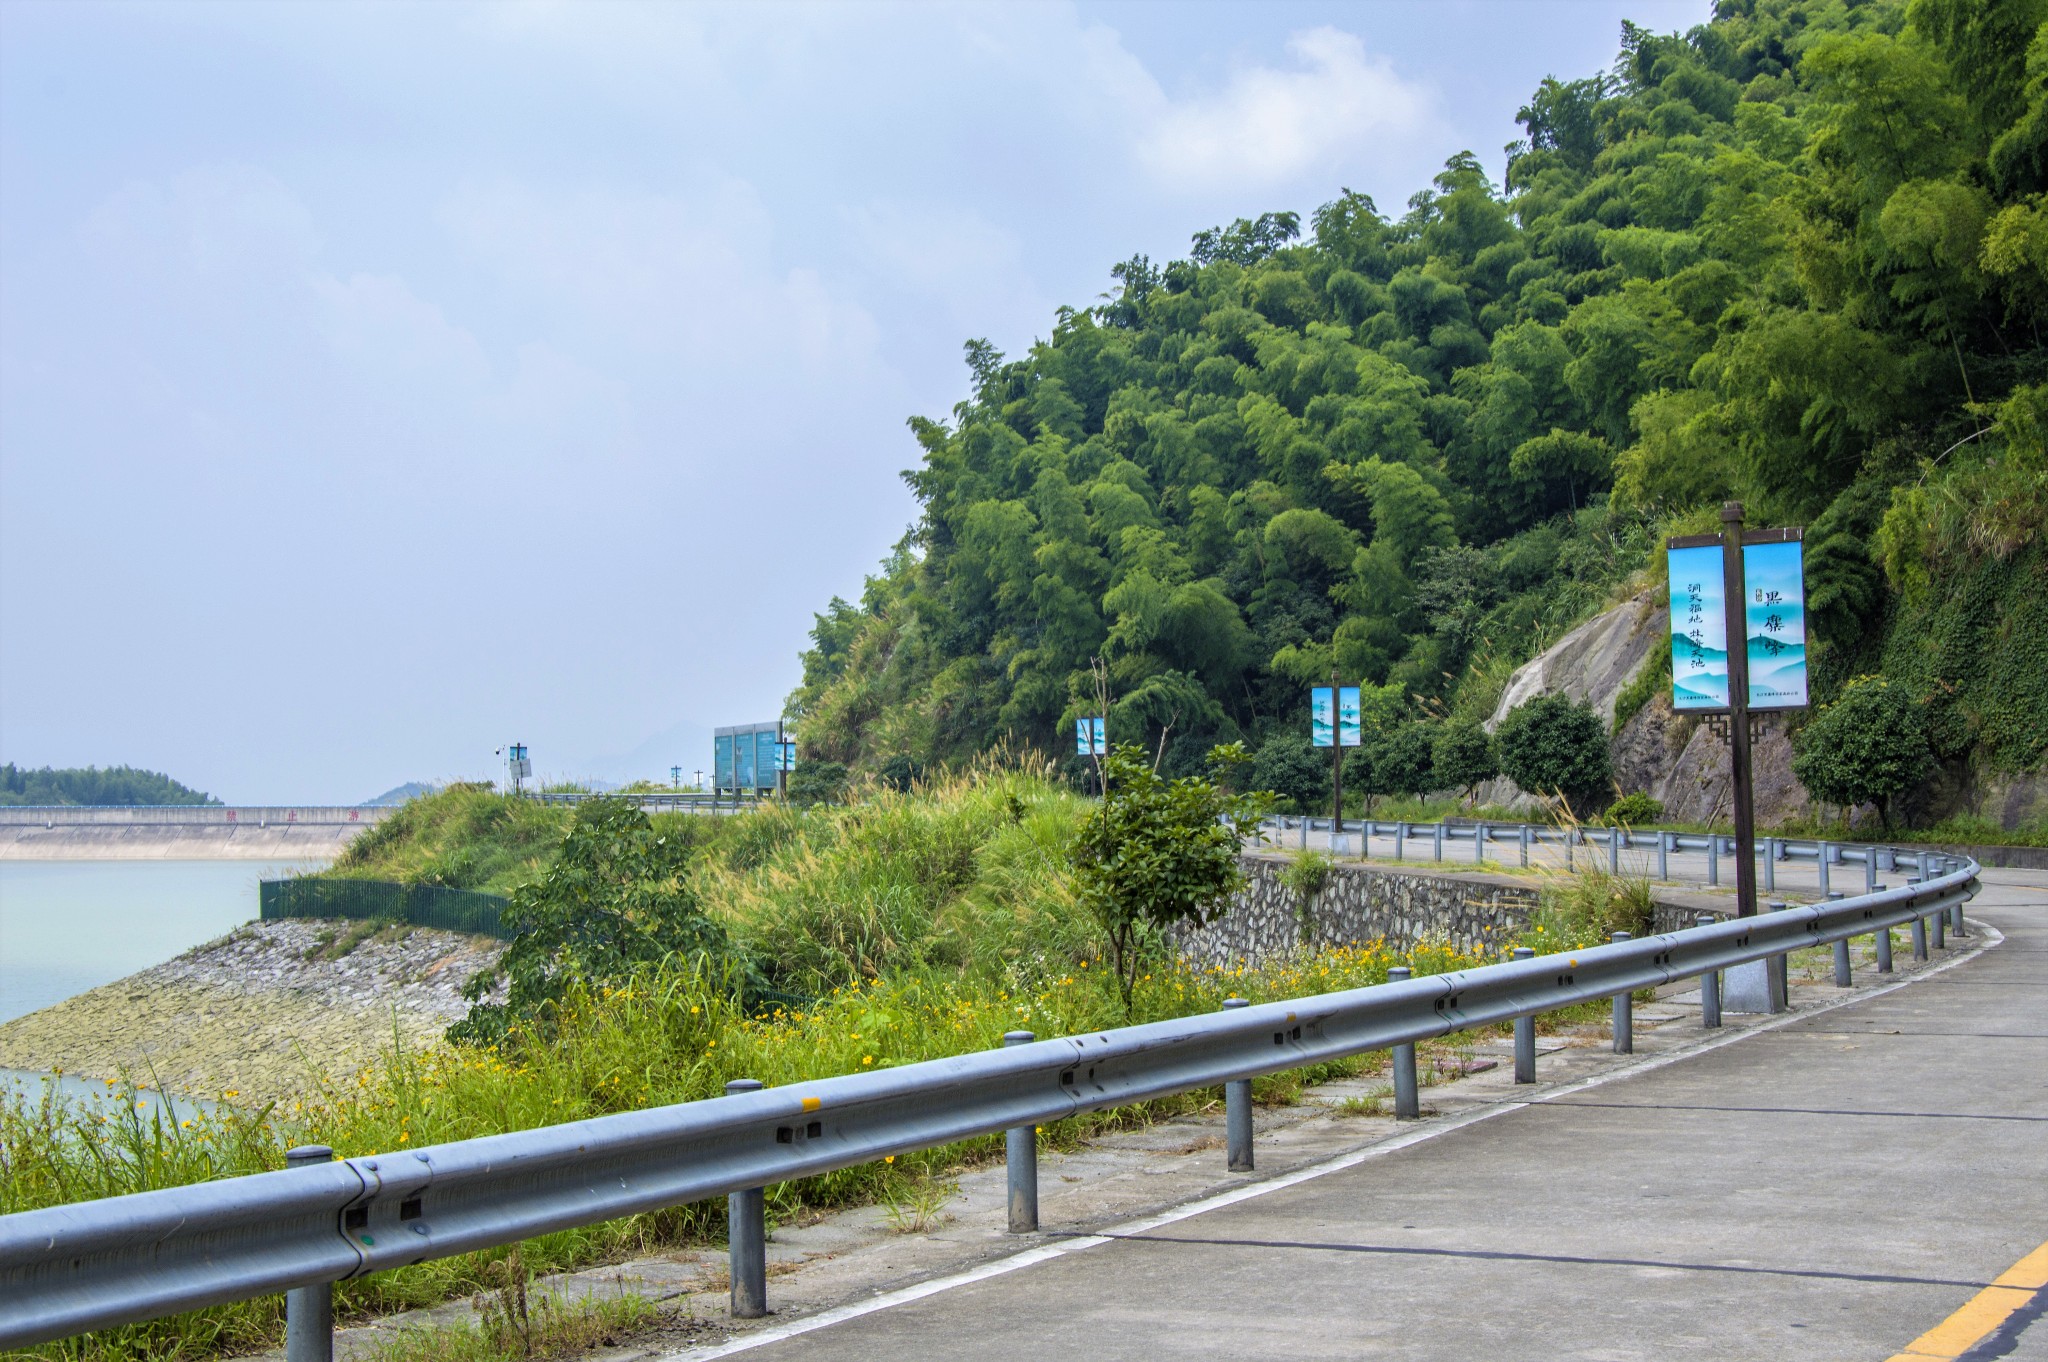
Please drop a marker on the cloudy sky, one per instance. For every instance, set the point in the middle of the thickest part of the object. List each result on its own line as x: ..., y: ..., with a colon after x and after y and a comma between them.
x: 382, y: 383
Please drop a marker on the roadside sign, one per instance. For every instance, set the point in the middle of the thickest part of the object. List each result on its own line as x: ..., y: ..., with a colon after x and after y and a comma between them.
x: 1774, y: 609
x: 1322, y: 716
x: 1350, y: 732
x: 1089, y: 738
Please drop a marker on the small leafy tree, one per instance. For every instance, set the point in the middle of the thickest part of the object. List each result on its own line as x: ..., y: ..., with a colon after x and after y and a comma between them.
x: 818, y: 782
x: 1289, y: 767
x: 1865, y: 748
x: 1554, y: 746
x: 1156, y: 852
x: 614, y: 901
x: 1464, y: 757
x: 1401, y: 760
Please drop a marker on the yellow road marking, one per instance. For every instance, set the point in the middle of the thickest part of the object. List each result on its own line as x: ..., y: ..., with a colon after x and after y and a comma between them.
x: 1982, y: 1313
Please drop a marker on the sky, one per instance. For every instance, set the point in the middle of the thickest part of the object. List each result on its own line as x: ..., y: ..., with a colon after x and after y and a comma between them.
x: 381, y: 384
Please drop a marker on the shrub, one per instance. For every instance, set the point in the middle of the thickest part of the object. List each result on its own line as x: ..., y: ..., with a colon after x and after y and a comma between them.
x: 1289, y: 767
x: 818, y: 782
x: 1554, y: 746
x: 1866, y: 747
x: 1631, y: 809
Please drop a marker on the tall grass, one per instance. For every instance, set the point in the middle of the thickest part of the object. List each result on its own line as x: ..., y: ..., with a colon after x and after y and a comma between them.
x: 925, y: 925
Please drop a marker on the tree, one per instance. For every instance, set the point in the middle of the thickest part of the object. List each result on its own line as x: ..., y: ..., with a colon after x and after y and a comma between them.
x: 1867, y: 747
x: 1401, y: 759
x: 1464, y: 757
x: 1156, y: 852
x: 1556, y: 747
x: 614, y: 901
x: 1288, y: 766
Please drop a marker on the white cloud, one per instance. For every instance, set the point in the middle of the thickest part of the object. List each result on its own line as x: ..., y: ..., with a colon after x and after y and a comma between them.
x: 376, y: 321
x: 213, y: 219
x: 1268, y: 126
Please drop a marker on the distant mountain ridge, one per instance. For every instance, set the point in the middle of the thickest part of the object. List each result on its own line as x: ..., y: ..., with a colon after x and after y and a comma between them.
x: 94, y: 785
x: 399, y: 794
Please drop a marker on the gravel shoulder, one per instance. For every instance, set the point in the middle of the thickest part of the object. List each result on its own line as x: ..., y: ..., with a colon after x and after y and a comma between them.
x: 263, y: 1012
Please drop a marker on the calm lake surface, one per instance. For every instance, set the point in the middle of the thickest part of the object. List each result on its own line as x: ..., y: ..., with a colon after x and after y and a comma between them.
x: 67, y: 926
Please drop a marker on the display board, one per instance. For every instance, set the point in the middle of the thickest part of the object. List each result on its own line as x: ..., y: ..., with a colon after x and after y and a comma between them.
x: 1774, y: 611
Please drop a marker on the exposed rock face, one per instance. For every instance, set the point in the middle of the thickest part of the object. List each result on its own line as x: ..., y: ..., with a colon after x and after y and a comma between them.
x: 1358, y: 904
x: 1593, y: 662
x: 1684, y: 763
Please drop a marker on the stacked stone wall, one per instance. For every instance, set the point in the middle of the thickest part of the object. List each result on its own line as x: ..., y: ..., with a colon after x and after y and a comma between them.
x: 1357, y: 904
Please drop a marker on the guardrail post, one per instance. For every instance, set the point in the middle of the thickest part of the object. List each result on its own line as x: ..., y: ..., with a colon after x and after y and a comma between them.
x: 1663, y: 855
x: 309, y: 1310
x: 1710, y: 983
x: 1407, y: 1104
x: 1869, y: 870
x: 1613, y: 851
x: 1524, y: 839
x: 1365, y: 841
x: 1955, y: 919
x: 1624, y: 1016
x: 1919, y: 938
x: 1237, y: 1112
x: 1400, y: 837
x: 1770, y: 863
x: 1020, y: 1154
x: 1438, y: 839
x: 1842, y: 974
x: 1525, y: 1035
x: 1304, y: 834
x: 1778, y: 978
x: 1940, y: 920
x: 1713, y: 858
x: 1820, y: 858
x: 1478, y: 843
x: 1882, y: 939
x: 746, y: 1238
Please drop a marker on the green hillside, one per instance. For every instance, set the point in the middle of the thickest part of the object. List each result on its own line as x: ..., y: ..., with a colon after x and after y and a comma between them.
x: 1798, y: 255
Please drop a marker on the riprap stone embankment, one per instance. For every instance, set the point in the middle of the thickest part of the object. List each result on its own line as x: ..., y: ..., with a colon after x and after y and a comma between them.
x: 269, y: 1011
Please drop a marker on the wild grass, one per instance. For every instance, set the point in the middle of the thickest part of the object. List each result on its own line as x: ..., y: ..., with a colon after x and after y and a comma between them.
x: 464, y: 837
x: 924, y: 925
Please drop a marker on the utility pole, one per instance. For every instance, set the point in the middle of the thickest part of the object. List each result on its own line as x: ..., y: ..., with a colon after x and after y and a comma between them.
x: 1736, y: 606
x: 1336, y: 756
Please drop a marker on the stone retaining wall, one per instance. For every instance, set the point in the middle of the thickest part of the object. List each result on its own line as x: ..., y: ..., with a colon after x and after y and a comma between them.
x: 1358, y: 904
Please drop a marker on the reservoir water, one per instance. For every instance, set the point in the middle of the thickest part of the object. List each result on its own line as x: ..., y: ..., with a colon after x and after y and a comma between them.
x: 67, y: 926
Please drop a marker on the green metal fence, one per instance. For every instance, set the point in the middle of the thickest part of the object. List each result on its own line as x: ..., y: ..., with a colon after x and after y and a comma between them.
x: 422, y: 905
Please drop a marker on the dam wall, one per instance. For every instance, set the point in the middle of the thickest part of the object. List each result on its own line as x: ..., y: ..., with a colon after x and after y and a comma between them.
x: 183, y: 832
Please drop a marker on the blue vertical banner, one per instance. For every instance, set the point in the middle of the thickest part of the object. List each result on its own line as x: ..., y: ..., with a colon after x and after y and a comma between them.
x: 1350, y: 731
x: 1774, y: 584
x: 1090, y: 738
x: 785, y: 756
x: 1322, y: 716
x: 1101, y: 739
x: 1699, y: 629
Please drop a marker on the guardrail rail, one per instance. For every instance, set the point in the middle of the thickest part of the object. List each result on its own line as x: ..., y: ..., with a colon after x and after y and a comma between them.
x: 97, y: 1264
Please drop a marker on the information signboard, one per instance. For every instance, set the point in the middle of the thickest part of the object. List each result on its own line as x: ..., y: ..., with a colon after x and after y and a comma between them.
x: 1090, y: 740
x: 1350, y: 732
x: 1322, y: 716
x: 1775, y: 617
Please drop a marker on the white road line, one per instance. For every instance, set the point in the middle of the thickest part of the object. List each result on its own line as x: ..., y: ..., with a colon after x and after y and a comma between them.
x: 1988, y: 938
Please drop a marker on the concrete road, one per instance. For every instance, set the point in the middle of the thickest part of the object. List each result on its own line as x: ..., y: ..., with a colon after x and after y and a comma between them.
x: 1835, y: 1187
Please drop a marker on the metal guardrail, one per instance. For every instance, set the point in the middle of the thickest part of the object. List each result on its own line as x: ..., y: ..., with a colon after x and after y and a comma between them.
x: 96, y: 1264
x: 194, y: 815
x: 668, y: 801
x: 1874, y: 858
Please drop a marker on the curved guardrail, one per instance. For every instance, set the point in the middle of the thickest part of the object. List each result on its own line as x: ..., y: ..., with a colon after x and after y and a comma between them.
x: 96, y: 1264
x: 1874, y: 858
